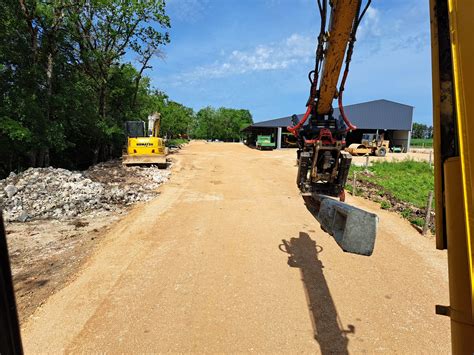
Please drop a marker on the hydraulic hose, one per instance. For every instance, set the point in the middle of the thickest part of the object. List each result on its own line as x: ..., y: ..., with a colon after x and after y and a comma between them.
x: 350, y: 126
x: 294, y: 129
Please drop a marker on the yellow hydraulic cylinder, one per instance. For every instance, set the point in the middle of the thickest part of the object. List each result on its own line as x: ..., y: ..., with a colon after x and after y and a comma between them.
x: 461, y: 13
x: 453, y: 107
x: 460, y: 309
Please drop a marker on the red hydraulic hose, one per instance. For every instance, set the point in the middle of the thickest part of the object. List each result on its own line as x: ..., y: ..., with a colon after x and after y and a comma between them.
x: 294, y: 129
x: 350, y: 126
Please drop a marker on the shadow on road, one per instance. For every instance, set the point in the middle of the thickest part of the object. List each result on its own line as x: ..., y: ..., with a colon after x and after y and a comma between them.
x: 312, y: 206
x: 328, y: 332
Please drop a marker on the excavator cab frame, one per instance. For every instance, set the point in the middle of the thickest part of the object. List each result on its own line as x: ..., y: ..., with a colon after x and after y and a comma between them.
x: 453, y: 108
x: 452, y: 52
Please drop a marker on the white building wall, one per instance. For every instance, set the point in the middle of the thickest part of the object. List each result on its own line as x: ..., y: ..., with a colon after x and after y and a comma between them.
x: 402, y: 138
x: 279, y: 138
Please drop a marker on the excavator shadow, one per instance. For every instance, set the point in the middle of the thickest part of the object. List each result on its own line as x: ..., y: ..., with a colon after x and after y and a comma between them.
x: 328, y: 331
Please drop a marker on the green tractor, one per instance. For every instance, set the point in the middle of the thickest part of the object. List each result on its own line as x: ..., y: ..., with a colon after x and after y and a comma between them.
x: 265, y: 142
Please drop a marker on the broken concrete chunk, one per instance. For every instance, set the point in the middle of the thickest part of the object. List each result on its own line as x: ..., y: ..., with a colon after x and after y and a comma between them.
x: 23, y: 217
x: 11, y: 190
x: 59, y: 193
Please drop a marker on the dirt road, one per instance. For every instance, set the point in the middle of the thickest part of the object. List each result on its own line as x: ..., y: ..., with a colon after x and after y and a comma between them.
x: 204, y: 268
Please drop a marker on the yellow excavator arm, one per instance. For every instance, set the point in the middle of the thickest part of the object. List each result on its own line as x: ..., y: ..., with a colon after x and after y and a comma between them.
x: 321, y: 138
x: 344, y: 15
x: 323, y: 165
x: 154, y: 124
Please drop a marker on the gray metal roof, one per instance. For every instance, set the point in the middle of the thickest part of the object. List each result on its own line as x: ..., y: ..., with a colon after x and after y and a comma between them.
x: 377, y: 114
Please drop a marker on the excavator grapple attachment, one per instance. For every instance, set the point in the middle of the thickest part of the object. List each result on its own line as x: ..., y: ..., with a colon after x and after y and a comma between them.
x: 352, y: 228
x: 323, y: 165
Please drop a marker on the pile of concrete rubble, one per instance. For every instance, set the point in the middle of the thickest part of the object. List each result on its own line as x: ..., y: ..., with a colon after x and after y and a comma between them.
x: 51, y: 193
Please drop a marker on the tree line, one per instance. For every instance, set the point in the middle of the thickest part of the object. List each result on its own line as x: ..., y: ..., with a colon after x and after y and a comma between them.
x: 420, y: 130
x: 67, y: 85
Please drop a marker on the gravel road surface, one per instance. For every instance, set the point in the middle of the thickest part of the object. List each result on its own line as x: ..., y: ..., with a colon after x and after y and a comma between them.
x: 228, y: 259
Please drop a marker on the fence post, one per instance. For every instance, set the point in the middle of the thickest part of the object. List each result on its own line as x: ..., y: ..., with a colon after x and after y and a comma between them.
x: 366, y: 163
x: 430, y: 158
x: 428, y: 213
x: 354, y: 185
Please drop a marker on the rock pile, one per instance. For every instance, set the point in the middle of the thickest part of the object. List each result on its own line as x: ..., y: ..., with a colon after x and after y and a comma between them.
x: 40, y: 193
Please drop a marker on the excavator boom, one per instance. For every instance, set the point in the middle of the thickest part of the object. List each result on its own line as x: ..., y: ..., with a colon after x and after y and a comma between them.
x: 344, y: 15
x: 323, y: 165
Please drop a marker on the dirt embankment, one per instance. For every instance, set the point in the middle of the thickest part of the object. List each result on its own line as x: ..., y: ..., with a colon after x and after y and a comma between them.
x: 55, y: 217
x: 371, y: 191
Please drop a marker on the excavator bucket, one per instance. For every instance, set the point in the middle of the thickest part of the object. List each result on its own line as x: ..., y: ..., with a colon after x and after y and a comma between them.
x: 353, y: 228
x: 159, y: 160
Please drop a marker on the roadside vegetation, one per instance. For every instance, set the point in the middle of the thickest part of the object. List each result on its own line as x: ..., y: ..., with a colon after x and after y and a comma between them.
x: 399, y: 186
x: 422, y: 142
x: 176, y: 142
x: 421, y: 136
x: 420, y: 130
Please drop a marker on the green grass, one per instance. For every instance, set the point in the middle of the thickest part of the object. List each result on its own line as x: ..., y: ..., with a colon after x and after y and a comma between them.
x: 422, y: 142
x: 407, y: 181
x: 176, y: 142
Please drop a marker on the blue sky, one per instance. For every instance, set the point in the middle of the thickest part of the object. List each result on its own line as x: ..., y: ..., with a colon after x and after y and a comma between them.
x: 256, y: 55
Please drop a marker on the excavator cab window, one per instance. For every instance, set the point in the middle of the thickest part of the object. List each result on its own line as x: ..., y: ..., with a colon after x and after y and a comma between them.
x: 368, y: 137
x: 135, y: 129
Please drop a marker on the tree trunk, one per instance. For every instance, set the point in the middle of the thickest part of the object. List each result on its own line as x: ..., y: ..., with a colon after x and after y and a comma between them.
x: 102, y: 100
x: 49, y: 85
x: 32, y: 158
x: 95, y: 156
x: 10, y: 162
x: 40, y: 157
x: 46, y: 162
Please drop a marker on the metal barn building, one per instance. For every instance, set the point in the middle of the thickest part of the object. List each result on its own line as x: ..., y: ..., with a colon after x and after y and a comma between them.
x: 392, y: 118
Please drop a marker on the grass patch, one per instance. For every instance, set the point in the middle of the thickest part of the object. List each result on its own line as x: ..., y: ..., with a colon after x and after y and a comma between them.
x: 417, y: 221
x: 401, y: 186
x: 407, y: 181
x: 422, y: 142
x: 176, y: 142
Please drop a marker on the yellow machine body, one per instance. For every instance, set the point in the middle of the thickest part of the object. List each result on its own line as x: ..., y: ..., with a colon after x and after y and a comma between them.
x: 146, y: 150
x: 371, y: 144
x: 453, y: 122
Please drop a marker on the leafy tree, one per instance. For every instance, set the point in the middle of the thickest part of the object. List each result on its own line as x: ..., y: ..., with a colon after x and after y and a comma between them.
x: 105, y: 30
x: 204, y: 125
x: 223, y: 124
x: 420, y: 130
x: 176, y: 120
x: 64, y: 89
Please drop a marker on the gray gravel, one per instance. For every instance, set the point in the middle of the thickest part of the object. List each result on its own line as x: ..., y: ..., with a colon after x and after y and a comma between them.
x: 53, y: 193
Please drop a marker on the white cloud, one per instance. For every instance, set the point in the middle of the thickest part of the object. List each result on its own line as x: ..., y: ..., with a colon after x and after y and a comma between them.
x: 276, y: 56
x: 187, y: 10
x: 381, y: 30
x: 387, y: 30
x: 370, y: 26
